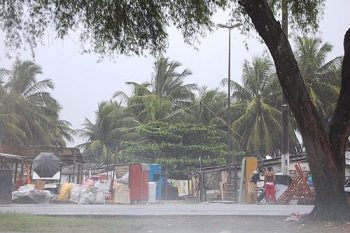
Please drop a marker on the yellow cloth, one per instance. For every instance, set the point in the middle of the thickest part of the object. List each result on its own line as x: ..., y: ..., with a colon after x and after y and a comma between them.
x: 182, y: 187
x: 65, y: 190
x: 122, y: 194
x: 253, y: 191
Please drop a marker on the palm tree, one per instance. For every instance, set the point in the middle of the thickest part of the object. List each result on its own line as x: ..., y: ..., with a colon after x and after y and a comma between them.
x: 160, y: 98
x: 9, y: 121
x: 136, y: 103
x: 61, y: 134
x: 36, y: 110
x: 321, y: 77
x: 210, y: 105
x: 168, y: 83
x: 210, y: 108
x: 144, y: 104
x: 256, y: 121
x: 105, y: 136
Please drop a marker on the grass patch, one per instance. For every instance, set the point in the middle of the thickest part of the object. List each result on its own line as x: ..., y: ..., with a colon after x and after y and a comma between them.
x: 12, y: 222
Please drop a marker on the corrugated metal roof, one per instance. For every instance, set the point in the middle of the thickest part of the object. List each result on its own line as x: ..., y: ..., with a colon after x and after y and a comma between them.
x: 11, y: 157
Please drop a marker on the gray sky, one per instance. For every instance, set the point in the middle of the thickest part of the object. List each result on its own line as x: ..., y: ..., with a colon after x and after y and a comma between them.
x: 81, y: 82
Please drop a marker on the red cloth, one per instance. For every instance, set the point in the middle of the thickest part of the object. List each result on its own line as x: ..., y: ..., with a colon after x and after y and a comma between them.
x: 19, y: 183
x: 270, y: 195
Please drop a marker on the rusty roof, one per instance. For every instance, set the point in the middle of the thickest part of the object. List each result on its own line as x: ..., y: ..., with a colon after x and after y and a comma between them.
x: 66, y: 155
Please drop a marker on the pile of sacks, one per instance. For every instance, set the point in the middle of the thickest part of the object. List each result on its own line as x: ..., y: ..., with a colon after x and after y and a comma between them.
x: 29, y: 194
x: 89, y: 192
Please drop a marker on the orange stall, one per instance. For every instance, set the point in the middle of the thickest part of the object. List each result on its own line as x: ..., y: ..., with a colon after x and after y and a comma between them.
x: 138, y: 182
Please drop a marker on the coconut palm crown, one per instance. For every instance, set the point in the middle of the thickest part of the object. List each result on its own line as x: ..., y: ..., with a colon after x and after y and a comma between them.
x: 35, y: 112
x: 256, y: 122
x: 322, y: 77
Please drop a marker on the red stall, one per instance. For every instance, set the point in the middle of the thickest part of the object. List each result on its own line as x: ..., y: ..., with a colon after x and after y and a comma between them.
x: 138, y: 182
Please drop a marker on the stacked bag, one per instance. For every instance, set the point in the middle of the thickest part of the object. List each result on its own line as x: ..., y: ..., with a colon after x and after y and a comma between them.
x: 89, y: 192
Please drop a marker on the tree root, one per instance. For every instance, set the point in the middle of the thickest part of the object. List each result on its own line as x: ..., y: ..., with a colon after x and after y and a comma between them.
x: 340, y: 214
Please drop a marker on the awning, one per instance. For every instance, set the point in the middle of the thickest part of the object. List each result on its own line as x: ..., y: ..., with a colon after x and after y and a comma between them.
x: 11, y: 157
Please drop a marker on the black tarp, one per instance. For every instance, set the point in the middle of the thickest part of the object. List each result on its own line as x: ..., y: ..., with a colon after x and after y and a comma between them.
x: 5, y: 186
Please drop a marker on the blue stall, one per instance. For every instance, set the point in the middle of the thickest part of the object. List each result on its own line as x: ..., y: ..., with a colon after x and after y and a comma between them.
x: 155, y: 175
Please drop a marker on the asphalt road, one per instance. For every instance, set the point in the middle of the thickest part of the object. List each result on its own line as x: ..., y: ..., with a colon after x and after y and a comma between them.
x: 205, y: 209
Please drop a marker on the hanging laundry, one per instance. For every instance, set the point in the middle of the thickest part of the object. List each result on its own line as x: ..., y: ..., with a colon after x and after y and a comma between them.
x: 181, y: 185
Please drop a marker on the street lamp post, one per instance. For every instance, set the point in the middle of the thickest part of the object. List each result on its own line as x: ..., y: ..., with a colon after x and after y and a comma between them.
x: 285, y: 107
x: 229, y: 27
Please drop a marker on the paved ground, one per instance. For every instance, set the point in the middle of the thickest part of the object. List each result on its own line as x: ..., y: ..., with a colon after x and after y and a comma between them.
x: 161, y: 224
x: 157, y: 209
x: 159, y: 218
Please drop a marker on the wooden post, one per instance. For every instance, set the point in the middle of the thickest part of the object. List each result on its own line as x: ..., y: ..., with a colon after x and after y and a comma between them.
x: 107, y: 164
x: 78, y: 173
x: 141, y: 194
x: 114, y: 163
x: 30, y: 172
x: 201, y: 181
x: 235, y: 180
x: 15, y: 177
x: 188, y: 182
x: 60, y: 173
x: 74, y: 163
x: 81, y: 173
x: 166, y: 182
x: 22, y: 169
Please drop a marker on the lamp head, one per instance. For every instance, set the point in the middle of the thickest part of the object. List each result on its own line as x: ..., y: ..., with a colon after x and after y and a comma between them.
x: 228, y: 25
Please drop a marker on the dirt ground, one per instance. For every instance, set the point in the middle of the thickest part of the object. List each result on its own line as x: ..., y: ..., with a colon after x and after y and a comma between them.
x: 178, y: 224
x: 227, y: 224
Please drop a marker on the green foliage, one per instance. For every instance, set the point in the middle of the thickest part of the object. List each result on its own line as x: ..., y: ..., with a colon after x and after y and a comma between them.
x: 156, y: 133
x: 169, y: 83
x: 131, y: 27
x: 105, y: 136
x: 256, y: 104
x: 187, y: 134
x: 170, y: 132
x: 29, y: 115
x: 178, y: 136
x: 209, y: 105
x: 177, y: 128
x: 304, y: 15
x: 177, y: 145
x: 321, y: 77
x: 166, y: 92
x: 106, y: 27
x: 256, y: 114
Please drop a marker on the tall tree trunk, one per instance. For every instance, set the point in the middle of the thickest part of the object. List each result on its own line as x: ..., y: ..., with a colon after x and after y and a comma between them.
x: 326, y: 152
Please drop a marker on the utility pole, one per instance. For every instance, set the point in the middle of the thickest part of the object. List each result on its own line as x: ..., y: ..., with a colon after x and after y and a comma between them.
x: 285, y: 107
x: 229, y: 136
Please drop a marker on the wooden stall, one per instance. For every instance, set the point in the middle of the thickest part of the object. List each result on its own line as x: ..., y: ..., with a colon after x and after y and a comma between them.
x: 21, y: 158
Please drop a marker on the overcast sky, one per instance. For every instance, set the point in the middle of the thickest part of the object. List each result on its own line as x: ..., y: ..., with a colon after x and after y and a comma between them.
x: 81, y: 82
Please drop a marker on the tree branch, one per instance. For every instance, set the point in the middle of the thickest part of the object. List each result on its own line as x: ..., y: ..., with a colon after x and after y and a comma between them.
x: 287, y: 68
x: 340, y: 126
